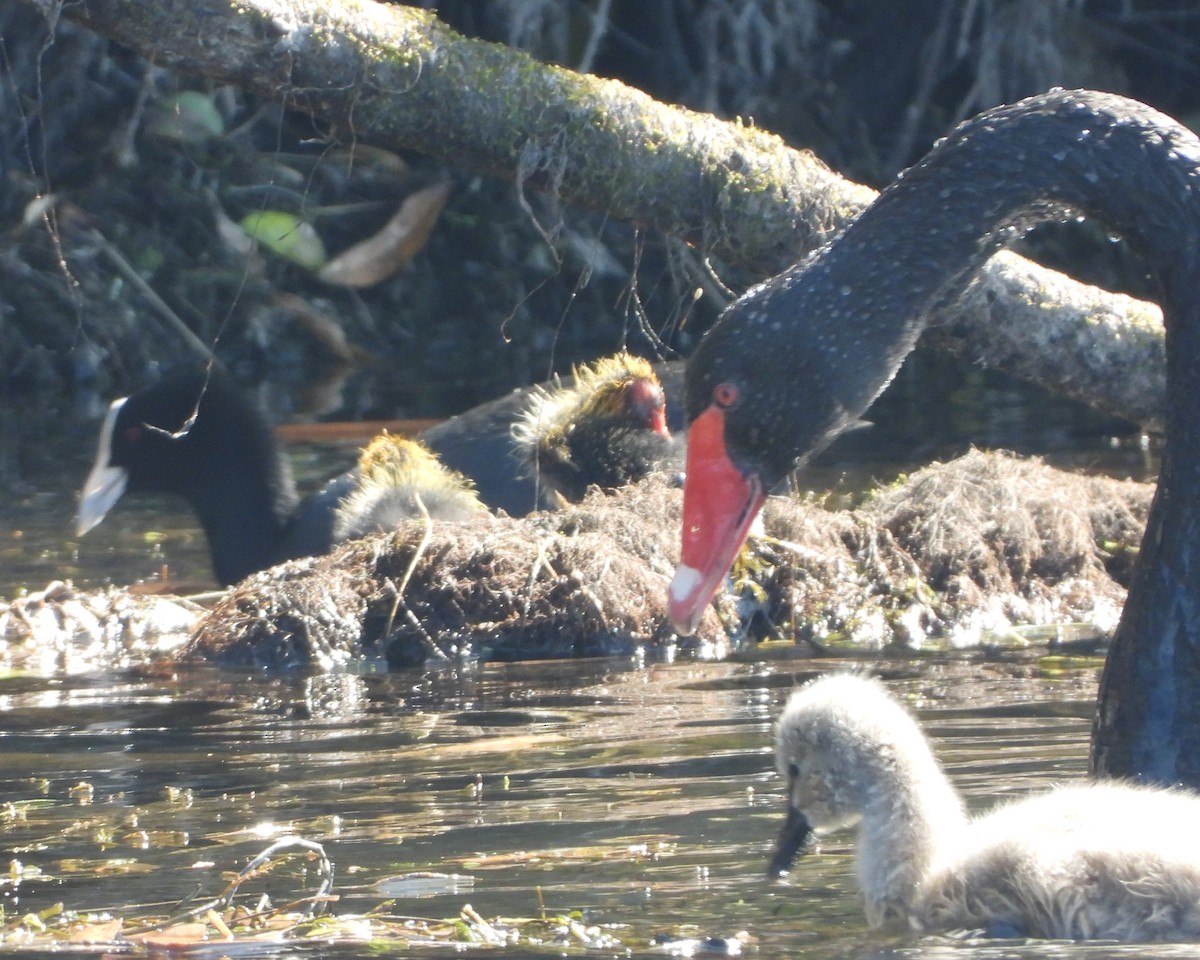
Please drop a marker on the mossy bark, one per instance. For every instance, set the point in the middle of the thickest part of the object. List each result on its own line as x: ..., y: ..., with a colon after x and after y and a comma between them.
x: 398, y: 77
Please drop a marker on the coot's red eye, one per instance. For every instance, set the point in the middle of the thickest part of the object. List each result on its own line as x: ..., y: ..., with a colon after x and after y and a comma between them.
x: 726, y: 394
x: 131, y: 435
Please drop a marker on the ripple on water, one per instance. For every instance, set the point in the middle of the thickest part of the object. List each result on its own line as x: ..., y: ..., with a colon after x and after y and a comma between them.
x: 638, y: 798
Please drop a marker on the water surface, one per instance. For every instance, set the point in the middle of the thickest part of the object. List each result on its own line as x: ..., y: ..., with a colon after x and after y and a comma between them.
x: 638, y: 796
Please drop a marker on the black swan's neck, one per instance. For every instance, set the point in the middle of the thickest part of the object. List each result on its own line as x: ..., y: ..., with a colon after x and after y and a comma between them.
x: 1139, y: 173
x: 840, y: 322
x: 830, y: 333
x: 1043, y: 159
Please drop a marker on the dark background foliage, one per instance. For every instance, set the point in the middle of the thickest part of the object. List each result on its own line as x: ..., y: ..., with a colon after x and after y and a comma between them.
x: 489, y: 303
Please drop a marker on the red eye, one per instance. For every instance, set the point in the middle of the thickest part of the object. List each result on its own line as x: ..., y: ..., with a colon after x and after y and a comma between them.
x: 726, y: 394
x: 131, y: 435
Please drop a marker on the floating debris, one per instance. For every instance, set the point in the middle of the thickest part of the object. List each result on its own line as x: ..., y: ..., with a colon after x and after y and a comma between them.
x: 959, y: 554
x: 63, y: 630
x: 239, y: 924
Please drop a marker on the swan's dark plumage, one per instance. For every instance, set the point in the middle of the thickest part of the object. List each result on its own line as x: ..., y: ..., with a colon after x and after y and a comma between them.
x: 796, y: 359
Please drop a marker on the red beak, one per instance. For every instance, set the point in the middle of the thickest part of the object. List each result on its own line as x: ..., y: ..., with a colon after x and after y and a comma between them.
x: 720, y: 503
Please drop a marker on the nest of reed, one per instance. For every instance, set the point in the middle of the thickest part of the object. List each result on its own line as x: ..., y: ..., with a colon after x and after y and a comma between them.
x: 953, y: 552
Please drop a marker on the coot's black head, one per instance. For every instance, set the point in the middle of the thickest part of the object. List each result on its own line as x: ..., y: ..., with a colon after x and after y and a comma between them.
x: 184, y: 434
x: 158, y: 433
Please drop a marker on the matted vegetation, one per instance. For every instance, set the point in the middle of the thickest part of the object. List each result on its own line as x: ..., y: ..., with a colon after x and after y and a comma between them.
x: 952, y: 555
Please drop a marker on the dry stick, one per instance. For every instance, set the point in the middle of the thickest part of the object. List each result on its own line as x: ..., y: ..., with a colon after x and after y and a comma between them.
x: 541, y: 560
x: 489, y: 933
x: 431, y: 647
x: 285, y: 843
x: 426, y: 536
x: 216, y: 921
x: 591, y: 597
x: 600, y: 25
x: 126, y: 270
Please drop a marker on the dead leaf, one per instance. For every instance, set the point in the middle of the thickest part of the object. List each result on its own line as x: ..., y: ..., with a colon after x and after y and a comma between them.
x: 175, y: 937
x: 378, y: 257
x: 321, y: 326
x: 105, y: 932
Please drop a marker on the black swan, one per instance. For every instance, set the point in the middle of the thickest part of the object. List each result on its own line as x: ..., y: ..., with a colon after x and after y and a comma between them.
x: 794, y: 360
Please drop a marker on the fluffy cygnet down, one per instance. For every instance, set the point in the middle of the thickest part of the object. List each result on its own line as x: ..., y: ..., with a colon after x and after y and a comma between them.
x: 1097, y: 860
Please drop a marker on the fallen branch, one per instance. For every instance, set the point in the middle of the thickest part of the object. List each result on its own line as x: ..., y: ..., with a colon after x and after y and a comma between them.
x: 396, y: 76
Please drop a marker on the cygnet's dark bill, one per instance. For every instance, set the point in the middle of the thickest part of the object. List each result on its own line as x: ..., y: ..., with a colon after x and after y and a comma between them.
x: 791, y: 840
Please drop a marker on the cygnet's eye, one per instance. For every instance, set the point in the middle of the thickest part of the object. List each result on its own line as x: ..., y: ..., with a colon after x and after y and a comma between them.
x: 793, y: 771
x: 726, y: 394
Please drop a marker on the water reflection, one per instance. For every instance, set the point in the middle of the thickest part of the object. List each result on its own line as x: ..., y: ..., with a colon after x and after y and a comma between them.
x: 640, y: 795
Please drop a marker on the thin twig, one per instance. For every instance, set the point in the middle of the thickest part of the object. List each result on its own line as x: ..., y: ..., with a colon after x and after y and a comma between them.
x: 319, y: 899
x: 600, y: 24
x: 398, y: 601
x: 126, y: 270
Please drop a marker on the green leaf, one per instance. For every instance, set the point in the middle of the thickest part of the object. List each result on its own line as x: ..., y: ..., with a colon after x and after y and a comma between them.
x: 286, y: 235
x: 189, y: 117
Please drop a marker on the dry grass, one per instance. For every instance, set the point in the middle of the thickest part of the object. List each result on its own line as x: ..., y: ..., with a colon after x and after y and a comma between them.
x: 980, y: 543
x: 589, y: 580
x: 977, y: 544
